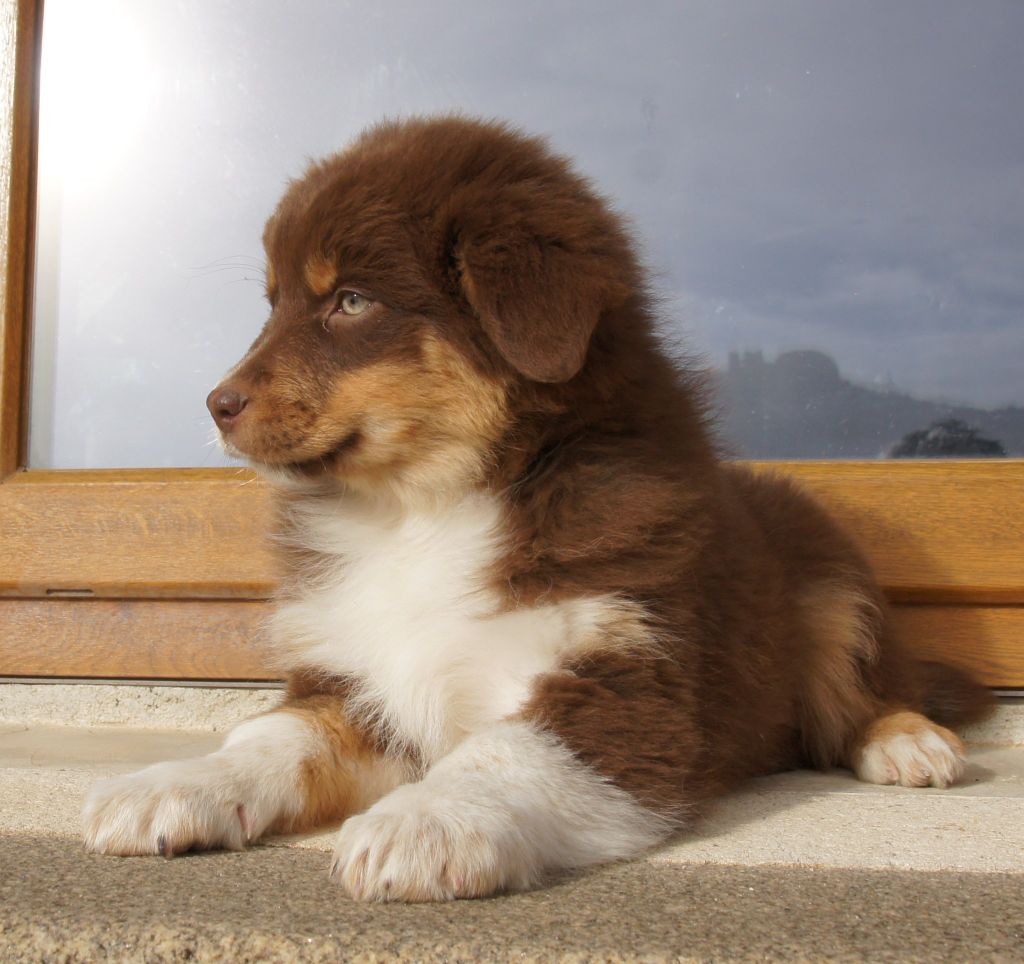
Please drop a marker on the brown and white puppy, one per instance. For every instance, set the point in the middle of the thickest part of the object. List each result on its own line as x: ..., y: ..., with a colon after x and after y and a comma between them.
x: 529, y: 620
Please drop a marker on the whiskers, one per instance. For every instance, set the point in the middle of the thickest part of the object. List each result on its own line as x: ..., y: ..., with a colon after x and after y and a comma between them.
x: 250, y: 268
x: 212, y: 438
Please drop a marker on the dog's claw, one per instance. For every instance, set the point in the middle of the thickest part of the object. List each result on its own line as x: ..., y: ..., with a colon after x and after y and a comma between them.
x: 243, y: 819
x: 165, y: 847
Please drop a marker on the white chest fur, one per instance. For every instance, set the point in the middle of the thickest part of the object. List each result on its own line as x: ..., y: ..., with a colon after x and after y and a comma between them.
x: 402, y: 608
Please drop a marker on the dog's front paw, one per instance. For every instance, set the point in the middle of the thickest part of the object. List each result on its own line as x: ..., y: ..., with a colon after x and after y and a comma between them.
x: 167, y: 809
x: 416, y: 845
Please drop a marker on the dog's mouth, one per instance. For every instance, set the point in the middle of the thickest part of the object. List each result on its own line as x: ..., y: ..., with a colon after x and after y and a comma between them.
x: 326, y: 461
x: 311, y: 467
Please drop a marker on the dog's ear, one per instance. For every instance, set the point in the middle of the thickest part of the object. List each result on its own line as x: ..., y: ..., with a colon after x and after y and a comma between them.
x: 539, y: 271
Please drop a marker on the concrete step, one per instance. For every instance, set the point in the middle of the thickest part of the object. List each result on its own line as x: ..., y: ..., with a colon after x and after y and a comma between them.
x: 804, y: 817
x: 276, y: 904
x: 800, y: 865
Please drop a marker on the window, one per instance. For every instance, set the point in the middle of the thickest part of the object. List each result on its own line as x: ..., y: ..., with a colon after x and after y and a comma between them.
x: 110, y: 566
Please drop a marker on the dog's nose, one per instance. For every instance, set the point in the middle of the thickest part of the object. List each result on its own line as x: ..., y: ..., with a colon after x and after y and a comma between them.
x: 225, y: 405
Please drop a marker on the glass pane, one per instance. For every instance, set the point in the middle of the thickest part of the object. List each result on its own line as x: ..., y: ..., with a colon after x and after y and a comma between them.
x: 830, y: 196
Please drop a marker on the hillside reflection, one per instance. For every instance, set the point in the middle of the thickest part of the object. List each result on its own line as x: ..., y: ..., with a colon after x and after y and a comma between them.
x: 800, y: 406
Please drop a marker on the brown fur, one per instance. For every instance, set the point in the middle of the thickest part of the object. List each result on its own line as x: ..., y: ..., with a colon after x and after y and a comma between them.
x: 271, y: 283
x: 511, y: 347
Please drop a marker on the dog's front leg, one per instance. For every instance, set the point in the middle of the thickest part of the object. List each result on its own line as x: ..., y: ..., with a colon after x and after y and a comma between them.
x: 509, y: 803
x: 293, y: 769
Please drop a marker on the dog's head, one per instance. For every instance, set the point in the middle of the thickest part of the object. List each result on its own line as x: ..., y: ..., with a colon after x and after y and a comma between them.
x: 417, y: 282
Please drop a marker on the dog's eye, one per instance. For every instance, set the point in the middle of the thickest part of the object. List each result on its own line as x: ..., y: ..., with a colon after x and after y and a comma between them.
x: 353, y: 303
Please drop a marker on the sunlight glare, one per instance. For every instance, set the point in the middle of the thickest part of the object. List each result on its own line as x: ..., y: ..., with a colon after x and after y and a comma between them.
x: 97, y: 87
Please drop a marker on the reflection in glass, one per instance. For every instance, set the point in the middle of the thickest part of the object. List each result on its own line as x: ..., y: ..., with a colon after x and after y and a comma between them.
x: 831, y: 197
x: 798, y: 406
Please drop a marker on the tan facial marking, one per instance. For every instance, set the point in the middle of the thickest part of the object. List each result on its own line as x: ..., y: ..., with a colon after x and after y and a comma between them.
x: 474, y: 406
x: 428, y: 422
x: 320, y: 275
x: 440, y: 398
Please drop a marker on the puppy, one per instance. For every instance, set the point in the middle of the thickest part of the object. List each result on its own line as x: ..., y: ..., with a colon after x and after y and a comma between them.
x: 528, y: 619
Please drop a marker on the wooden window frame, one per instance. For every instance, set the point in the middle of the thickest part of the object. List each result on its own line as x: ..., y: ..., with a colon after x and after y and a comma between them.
x: 163, y: 574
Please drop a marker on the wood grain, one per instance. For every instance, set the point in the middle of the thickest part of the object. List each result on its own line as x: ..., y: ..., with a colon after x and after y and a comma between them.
x: 131, y: 639
x: 19, y: 38
x: 987, y: 639
x: 216, y: 640
x: 935, y: 532
x: 184, y: 534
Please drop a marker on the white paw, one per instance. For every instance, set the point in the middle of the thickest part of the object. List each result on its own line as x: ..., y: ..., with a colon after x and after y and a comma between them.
x: 909, y: 750
x: 170, y: 808
x: 415, y: 845
x: 222, y: 800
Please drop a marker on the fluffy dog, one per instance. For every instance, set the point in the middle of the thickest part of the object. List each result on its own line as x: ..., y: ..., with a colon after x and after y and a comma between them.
x: 529, y: 620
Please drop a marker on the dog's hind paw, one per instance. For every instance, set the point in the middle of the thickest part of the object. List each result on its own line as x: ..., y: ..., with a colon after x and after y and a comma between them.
x: 910, y: 750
